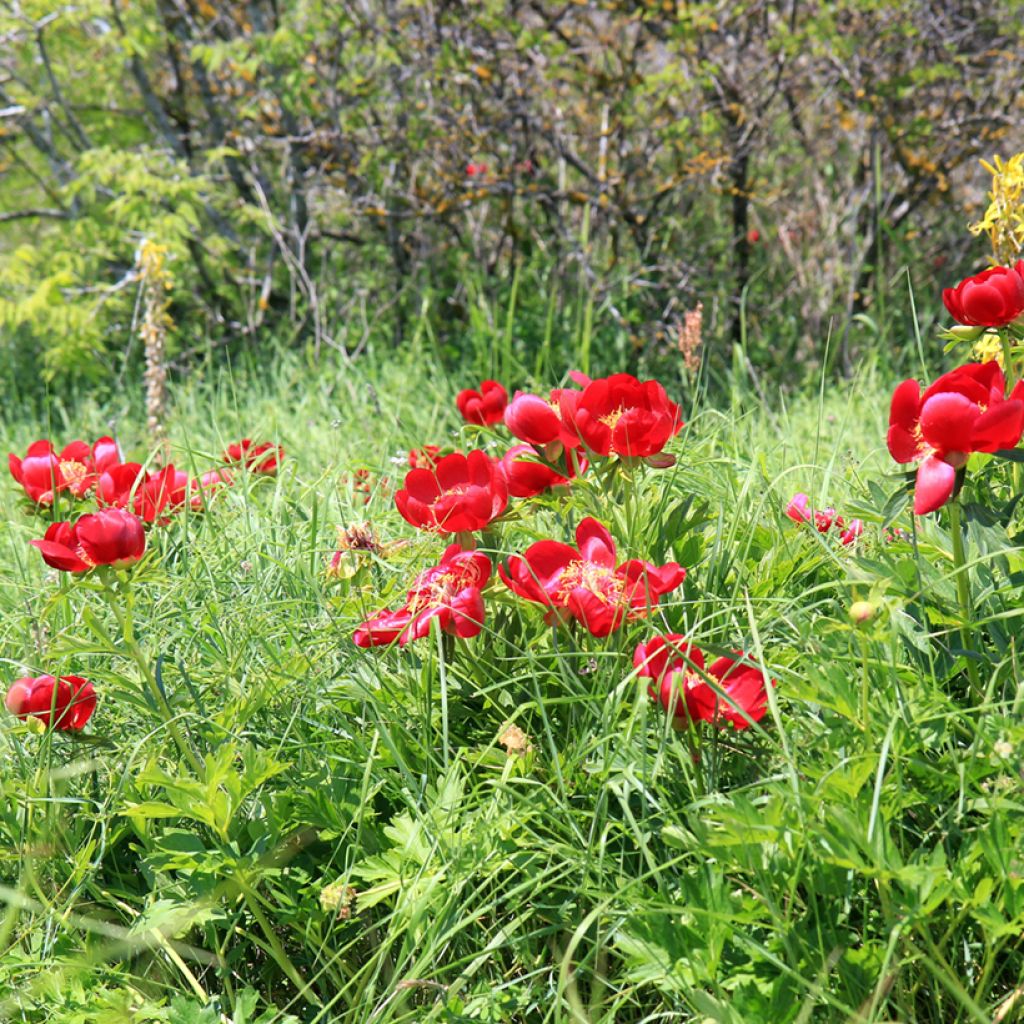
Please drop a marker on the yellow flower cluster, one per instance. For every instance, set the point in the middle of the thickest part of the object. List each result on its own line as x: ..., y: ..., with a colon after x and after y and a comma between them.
x: 1003, y: 221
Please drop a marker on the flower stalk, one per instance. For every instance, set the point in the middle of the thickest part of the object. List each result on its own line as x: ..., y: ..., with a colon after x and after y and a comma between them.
x: 963, y: 592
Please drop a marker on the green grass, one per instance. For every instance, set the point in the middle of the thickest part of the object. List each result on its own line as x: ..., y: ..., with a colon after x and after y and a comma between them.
x: 856, y: 858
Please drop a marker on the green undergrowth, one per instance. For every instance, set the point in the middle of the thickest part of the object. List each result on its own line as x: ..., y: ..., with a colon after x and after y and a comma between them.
x: 359, y: 845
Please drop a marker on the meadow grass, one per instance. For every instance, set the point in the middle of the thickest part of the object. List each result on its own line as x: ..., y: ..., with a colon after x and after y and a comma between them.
x: 356, y: 844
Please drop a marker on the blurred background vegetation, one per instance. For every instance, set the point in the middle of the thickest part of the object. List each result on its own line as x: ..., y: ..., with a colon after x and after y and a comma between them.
x: 569, y: 178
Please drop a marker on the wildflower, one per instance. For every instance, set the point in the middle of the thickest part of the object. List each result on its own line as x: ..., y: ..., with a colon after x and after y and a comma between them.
x: 485, y: 406
x: 425, y: 457
x: 449, y: 592
x: 689, y: 339
x: 544, y: 422
x: 677, y: 670
x: 799, y: 511
x: 111, y: 536
x: 584, y: 583
x: 44, y: 473
x: 257, y: 458
x: 964, y: 411
x: 528, y: 474
x: 461, y: 493
x: 67, y: 703
x: 993, y: 298
x: 852, y: 532
x: 620, y: 415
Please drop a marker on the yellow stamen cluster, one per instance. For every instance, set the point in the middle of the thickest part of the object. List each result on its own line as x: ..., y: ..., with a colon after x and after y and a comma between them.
x: 73, y: 472
x: 600, y: 581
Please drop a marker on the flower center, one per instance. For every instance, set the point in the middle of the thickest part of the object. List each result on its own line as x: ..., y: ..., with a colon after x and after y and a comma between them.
x: 599, y: 580
x: 437, y: 591
x: 612, y: 418
x: 74, y: 472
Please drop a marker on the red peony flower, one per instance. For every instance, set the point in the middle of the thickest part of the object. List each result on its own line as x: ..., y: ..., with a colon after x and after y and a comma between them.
x: 206, y: 485
x: 528, y: 474
x: 620, y: 415
x: 449, y: 592
x: 460, y: 494
x: 44, y: 473
x: 257, y: 458
x: 111, y: 536
x: 964, y: 411
x: 739, y: 696
x: 543, y: 422
x: 797, y: 509
x: 584, y: 582
x: 69, y: 701
x: 485, y: 406
x: 148, y: 495
x: 425, y: 457
x: 993, y: 298
x: 852, y: 532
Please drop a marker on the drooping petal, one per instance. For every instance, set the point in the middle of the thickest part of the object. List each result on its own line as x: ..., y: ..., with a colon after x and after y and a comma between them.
x: 947, y: 421
x: 936, y: 479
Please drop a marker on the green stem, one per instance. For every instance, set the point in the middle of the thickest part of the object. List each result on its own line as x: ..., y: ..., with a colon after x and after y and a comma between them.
x: 274, y: 947
x: 124, y: 622
x: 1017, y: 470
x: 963, y: 592
x: 865, y: 682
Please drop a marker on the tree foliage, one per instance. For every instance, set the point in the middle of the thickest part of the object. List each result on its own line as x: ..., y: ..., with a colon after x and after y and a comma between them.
x: 323, y: 168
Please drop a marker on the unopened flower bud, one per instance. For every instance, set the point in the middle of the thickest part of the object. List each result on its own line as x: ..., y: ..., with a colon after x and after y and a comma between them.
x: 966, y: 333
x: 862, y: 611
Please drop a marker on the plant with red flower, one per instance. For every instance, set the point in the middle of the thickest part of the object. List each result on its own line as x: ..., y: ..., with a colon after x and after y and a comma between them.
x: 111, y: 536
x: 851, y: 533
x: 206, y: 485
x: 424, y: 458
x: 475, y: 170
x: 44, y: 473
x: 67, y: 702
x: 460, y: 494
x: 729, y: 690
x: 449, y: 592
x: 799, y: 511
x: 993, y: 298
x: 257, y: 458
x: 544, y: 422
x: 485, y: 406
x: 964, y: 411
x: 584, y: 582
x: 148, y: 495
x: 528, y: 474
x: 620, y: 415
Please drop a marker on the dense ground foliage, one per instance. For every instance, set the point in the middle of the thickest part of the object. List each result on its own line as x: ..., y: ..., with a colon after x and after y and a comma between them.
x: 263, y: 820
x: 432, y: 587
